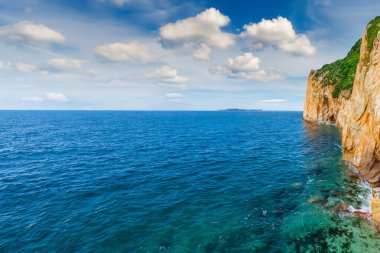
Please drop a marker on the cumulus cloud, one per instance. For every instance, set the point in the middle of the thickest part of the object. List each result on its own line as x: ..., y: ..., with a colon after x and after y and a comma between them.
x: 65, y: 63
x: 125, y: 52
x: 168, y: 76
x: 279, y: 32
x: 300, y: 46
x: 202, y: 53
x: 245, y: 62
x: 26, y: 68
x: 204, y: 27
x: 202, y: 31
x: 50, y: 96
x: 245, y: 66
x: 275, y: 30
x: 29, y: 32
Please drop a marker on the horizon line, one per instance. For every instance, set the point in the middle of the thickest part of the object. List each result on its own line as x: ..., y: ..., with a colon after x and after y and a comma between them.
x: 137, y: 110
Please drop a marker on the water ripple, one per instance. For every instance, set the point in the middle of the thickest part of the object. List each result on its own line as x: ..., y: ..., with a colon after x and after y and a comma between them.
x: 175, y: 182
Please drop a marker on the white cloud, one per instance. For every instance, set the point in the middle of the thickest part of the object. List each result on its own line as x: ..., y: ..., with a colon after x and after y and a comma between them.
x: 26, y: 68
x: 50, y: 96
x: 168, y: 75
x: 163, y: 72
x: 275, y: 30
x: 200, y: 32
x: 264, y: 75
x: 279, y: 32
x: 125, y: 52
x: 29, y: 32
x: 204, y: 27
x: 273, y: 101
x: 245, y: 62
x: 56, y: 97
x: 301, y: 46
x: 174, y: 95
x: 65, y: 63
x: 245, y: 66
x: 202, y: 53
x: 5, y: 65
x: 23, y: 67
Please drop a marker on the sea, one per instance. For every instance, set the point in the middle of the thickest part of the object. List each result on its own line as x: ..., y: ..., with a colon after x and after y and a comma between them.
x: 167, y: 181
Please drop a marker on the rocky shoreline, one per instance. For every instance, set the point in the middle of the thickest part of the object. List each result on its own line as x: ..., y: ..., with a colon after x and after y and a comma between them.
x: 353, y: 107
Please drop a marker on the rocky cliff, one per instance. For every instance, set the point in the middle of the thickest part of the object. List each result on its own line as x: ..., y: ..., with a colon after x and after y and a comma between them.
x: 347, y: 93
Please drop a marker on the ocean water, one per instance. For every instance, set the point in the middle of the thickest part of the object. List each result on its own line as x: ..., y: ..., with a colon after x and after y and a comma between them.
x: 98, y: 181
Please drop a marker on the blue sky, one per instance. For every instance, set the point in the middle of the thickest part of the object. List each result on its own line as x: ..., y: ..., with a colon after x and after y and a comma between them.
x: 170, y: 54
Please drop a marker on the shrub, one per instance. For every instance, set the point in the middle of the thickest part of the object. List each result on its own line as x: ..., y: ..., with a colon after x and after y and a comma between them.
x: 341, y: 73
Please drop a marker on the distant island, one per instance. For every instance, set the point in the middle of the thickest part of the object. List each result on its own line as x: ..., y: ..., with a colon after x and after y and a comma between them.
x: 240, y: 110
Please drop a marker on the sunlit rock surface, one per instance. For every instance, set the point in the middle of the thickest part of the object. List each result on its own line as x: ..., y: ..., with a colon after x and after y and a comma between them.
x: 356, y: 111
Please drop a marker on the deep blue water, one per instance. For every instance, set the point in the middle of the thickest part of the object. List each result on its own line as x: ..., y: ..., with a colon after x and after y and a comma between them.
x: 103, y: 181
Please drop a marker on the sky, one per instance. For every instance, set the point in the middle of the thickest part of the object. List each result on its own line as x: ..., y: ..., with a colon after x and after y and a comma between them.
x: 170, y: 54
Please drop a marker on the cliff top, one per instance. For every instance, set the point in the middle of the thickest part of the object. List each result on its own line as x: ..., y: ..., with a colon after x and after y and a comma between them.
x: 341, y: 73
x: 371, y: 33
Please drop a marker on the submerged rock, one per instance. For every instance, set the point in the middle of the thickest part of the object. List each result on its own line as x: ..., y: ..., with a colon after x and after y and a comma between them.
x: 340, y: 208
x: 317, y: 201
x: 335, y: 193
x: 297, y: 185
x: 354, y: 176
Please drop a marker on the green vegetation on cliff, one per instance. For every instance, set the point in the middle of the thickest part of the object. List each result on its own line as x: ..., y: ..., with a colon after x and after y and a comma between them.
x: 372, y: 31
x: 340, y: 73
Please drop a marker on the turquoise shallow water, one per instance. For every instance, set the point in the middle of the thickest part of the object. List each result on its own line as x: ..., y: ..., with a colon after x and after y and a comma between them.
x: 176, y: 182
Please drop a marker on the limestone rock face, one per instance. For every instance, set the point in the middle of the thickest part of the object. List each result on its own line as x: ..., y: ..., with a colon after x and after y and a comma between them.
x: 320, y: 106
x: 375, y: 206
x: 358, y: 114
